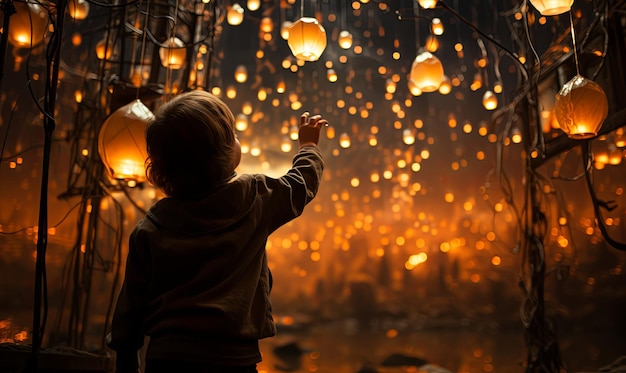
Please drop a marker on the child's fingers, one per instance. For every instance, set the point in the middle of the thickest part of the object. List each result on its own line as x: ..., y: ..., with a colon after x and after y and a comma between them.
x: 304, y: 118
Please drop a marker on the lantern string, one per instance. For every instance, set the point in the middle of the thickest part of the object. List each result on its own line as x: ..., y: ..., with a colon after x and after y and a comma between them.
x: 143, y: 46
x: 301, y: 8
x: 571, y: 25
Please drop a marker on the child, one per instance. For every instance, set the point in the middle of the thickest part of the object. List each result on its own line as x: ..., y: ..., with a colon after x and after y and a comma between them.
x: 197, y: 281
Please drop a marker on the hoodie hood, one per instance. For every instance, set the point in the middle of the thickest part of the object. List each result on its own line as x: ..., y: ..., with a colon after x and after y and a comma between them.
x: 220, y: 209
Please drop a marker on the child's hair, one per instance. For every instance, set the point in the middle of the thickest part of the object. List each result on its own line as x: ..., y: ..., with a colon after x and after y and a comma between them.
x: 191, y: 145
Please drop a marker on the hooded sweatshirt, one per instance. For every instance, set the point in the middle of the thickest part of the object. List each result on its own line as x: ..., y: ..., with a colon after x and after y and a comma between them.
x: 197, y: 281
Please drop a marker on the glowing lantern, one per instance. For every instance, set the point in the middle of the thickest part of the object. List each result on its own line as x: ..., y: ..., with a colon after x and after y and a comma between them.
x: 284, y: 30
x: 28, y: 25
x: 331, y: 75
x: 427, y: 4
x: 552, y: 7
x: 490, y: 100
x: 104, y: 50
x: 267, y: 25
x: 413, y: 88
x: 344, y: 140
x: 307, y: 39
x: 78, y: 9
x: 432, y: 44
x: 241, y: 74
x: 345, y: 39
x: 173, y: 54
x: 427, y: 72
x: 122, y: 143
x: 234, y: 16
x: 436, y: 27
x: 446, y: 85
x: 254, y: 5
x: 241, y: 122
x: 580, y: 108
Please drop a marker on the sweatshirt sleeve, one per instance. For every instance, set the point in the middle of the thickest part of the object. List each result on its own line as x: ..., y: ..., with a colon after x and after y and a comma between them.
x: 127, y: 331
x: 293, y: 191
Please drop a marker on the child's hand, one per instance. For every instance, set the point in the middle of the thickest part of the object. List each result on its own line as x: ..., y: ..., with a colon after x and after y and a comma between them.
x: 309, y: 133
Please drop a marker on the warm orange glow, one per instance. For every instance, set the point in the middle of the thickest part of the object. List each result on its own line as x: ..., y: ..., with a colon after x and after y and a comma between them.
x: 121, y: 142
x: 345, y: 39
x: 307, y: 39
x: 427, y: 4
x: 234, y: 15
x: 78, y: 9
x: 173, y: 54
x: 581, y: 107
x: 427, y: 72
x: 241, y: 74
x: 552, y: 7
x: 490, y: 100
x: 436, y: 27
x: 27, y: 16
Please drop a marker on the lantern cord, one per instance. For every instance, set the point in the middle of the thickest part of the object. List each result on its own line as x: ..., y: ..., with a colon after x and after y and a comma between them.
x: 301, y: 8
x: 530, y: 43
x: 571, y: 25
x: 598, y: 203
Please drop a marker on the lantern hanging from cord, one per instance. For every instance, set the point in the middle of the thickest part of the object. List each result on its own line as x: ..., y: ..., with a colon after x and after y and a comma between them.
x: 427, y: 72
x: 173, y: 54
x: 307, y: 39
x: 345, y: 39
x: 78, y: 9
x: 581, y: 107
x: 122, y: 144
x: 552, y: 7
x: 28, y: 25
x: 234, y: 15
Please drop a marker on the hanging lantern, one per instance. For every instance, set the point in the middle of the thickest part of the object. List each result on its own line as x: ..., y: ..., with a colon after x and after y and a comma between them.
x: 413, y: 88
x: 173, y: 54
x: 344, y: 140
x: 446, y: 85
x: 490, y: 100
x: 345, y: 39
x: 241, y: 122
x: 432, y: 44
x: 580, y: 108
x: 241, y: 74
x: 427, y: 72
x: 104, y: 50
x: 267, y: 25
x: 436, y: 27
x: 254, y: 5
x: 284, y: 30
x: 234, y: 16
x: 307, y: 39
x: 78, y: 9
x: 122, y: 143
x: 552, y: 7
x: 427, y: 4
x: 331, y: 75
x: 28, y: 25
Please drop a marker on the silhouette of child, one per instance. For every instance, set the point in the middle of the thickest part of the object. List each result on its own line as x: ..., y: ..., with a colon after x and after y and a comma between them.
x: 197, y: 281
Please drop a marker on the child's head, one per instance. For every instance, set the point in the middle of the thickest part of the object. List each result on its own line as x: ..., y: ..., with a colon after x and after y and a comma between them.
x: 192, y: 146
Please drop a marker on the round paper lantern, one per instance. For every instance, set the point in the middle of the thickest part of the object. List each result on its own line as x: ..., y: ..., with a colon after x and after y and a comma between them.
x: 427, y: 4
x: 552, y: 7
x: 307, y: 39
x: 173, y: 55
x: 234, y: 16
x: 427, y: 72
x: 490, y: 100
x: 122, y: 142
x: 345, y: 39
x: 580, y: 108
x: 78, y: 9
x: 254, y: 5
x: 28, y: 25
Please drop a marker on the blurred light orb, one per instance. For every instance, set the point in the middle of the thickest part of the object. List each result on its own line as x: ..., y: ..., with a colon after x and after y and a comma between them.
x: 28, y: 25
x: 104, y: 50
x: 234, y: 16
x: 436, y: 27
x: 122, y: 143
x: 446, y: 86
x: 552, y: 7
x: 241, y: 74
x: 427, y: 4
x: 78, y: 9
x: 427, y: 72
x: 581, y: 107
x: 307, y: 39
x: 173, y: 54
x: 490, y: 100
x: 254, y: 5
x: 284, y: 29
x: 345, y: 39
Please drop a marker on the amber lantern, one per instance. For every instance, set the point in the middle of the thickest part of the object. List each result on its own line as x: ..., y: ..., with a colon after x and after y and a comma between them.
x: 122, y: 143
x: 267, y: 25
x: 345, y: 39
x: 254, y: 5
x: 234, y: 15
x: 241, y: 74
x: 427, y: 72
x: 78, y: 9
x: 307, y: 39
x: 490, y: 100
x: 28, y: 25
x: 284, y: 30
x: 446, y: 85
x: 580, y: 108
x: 427, y: 4
x: 104, y: 50
x: 436, y: 27
x: 552, y: 7
x: 173, y: 54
